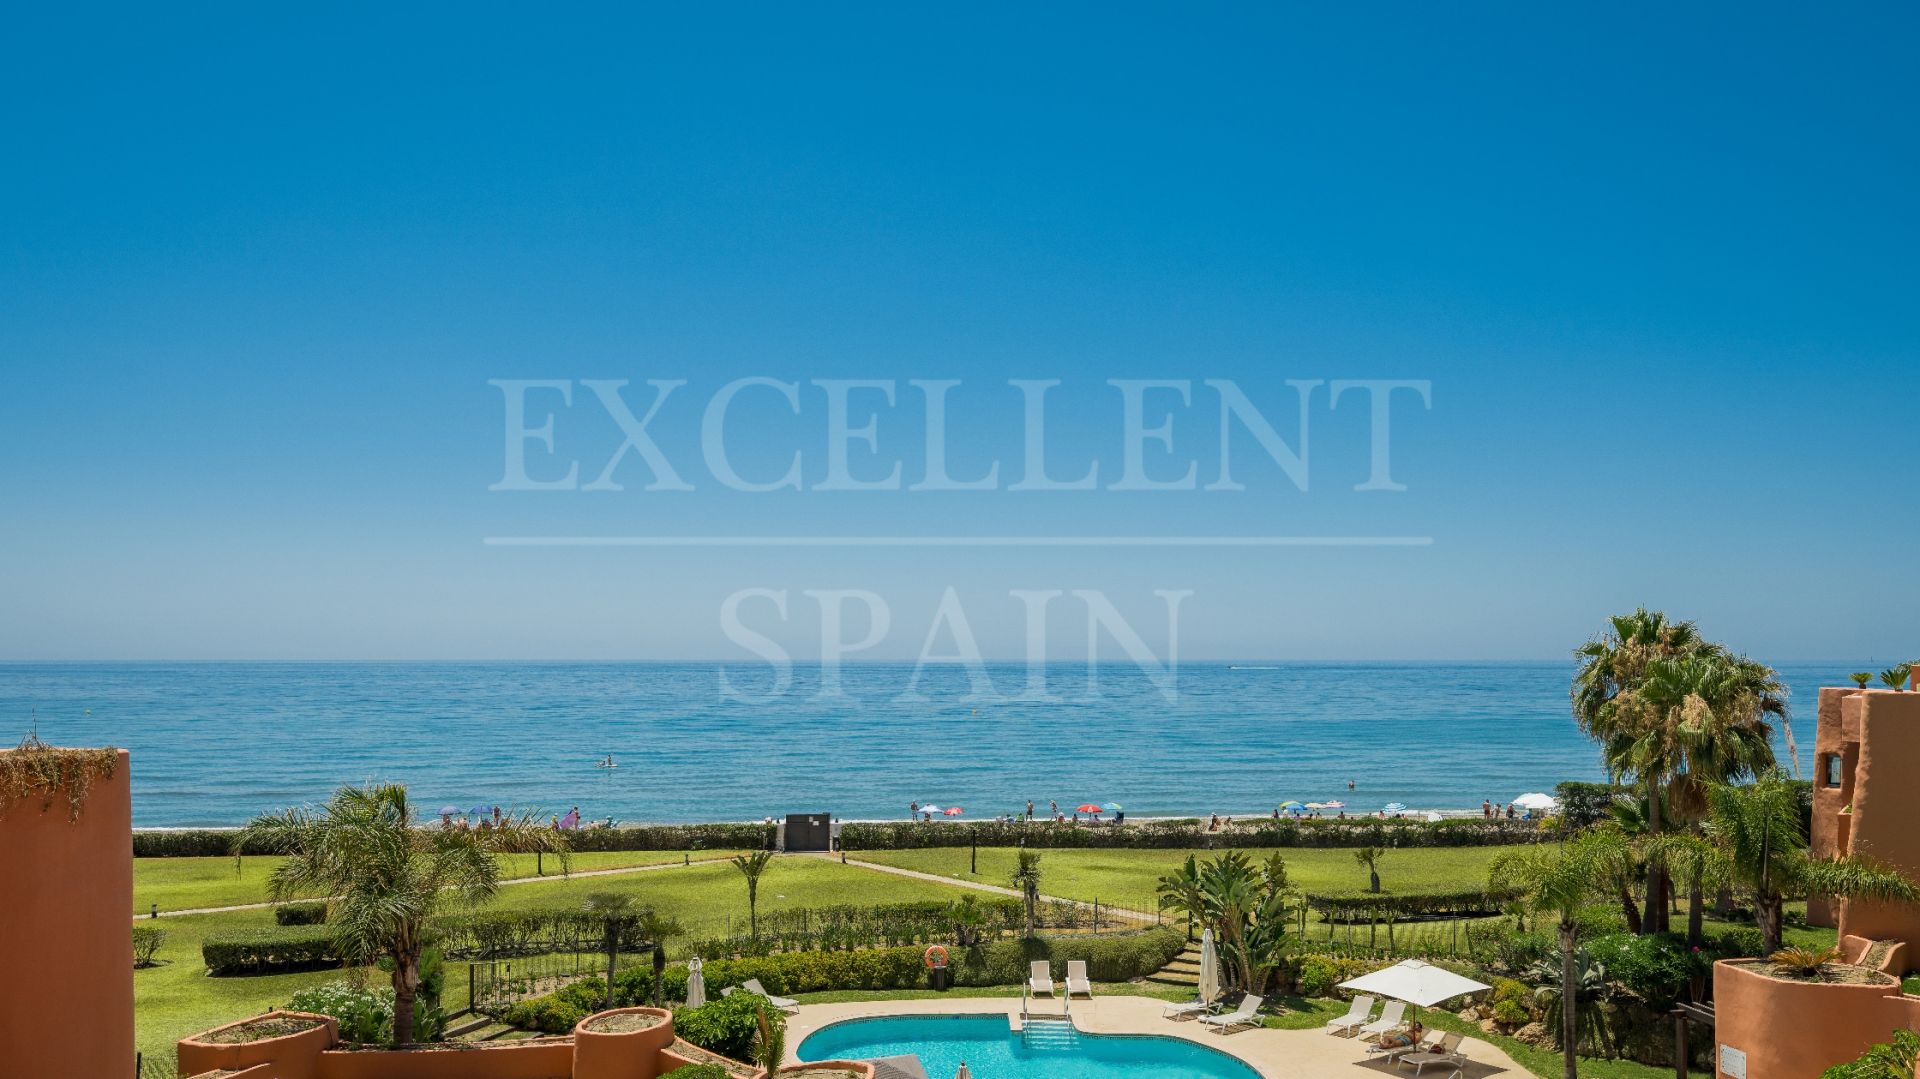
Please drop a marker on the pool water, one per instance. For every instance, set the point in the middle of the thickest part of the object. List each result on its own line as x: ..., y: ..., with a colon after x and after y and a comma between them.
x: 992, y: 1051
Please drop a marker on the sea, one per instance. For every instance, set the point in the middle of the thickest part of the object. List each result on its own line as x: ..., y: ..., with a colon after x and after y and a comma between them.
x: 213, y: 744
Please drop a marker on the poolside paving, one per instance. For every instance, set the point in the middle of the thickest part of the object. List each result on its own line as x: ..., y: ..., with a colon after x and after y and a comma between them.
x: 1275, y: 1054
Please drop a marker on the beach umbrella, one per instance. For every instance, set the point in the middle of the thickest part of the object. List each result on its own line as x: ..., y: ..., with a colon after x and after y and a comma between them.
x: 696, y: 984
x: 1433, y: 818
x: 1088, y: 808
x: 1395, y: 807
x: 1420, y: 984
x: 1537, y: 800
x: 1113, y: 807
x: 953, y: 811
x: 931, y: 808
x: 1209, y: 968
x: 480, y: 811
x: 1290, y: 804
x: 448, y: 811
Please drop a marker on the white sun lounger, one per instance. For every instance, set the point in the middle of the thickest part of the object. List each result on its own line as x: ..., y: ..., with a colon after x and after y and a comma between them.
x: 1241, y: 1018
x: 1391, y: 1018
x: 1077, y: 981
x: 1190, y: 1010
x: 752, y: 985
x: 1447, y: 1054
x: 1357, y: 1014
x: 1040, y: 978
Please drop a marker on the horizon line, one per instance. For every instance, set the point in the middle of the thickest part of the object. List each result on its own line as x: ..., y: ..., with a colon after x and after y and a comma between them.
x: 957, y: 541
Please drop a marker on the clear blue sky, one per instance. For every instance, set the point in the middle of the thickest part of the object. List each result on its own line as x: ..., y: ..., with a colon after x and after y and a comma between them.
x: 1657, y: 263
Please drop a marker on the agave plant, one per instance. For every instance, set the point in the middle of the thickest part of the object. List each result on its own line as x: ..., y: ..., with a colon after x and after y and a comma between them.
x: 1896, y: 677
x: 1861, y: 678
x: 1806, y: 963
x: 1592, y: 1035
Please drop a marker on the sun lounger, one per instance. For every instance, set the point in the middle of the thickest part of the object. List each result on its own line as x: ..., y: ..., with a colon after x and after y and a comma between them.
x: 1077, y: 981
x: 1392, y: 1018
x: 1040, y: 978
x: 1428, y: 1042
x: 752, y: 985
x: 1446, y: 1054
x: 1241, y: 1018
x: 1357, y: 1013
x: 1192, y: 1009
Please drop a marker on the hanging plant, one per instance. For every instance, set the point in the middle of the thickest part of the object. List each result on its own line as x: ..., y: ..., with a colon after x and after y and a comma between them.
x: 38, y: 770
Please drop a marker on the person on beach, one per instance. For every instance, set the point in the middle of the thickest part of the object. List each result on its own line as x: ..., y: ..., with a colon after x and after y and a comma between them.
x: 1509, y: 810
x: 1053, y: 810
x: 1029, y: 809
x: 913, y: 811
x: 1486, y: 808
x: 1213, y: 823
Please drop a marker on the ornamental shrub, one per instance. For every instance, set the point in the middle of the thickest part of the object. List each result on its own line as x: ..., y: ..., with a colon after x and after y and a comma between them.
x: 365, y: 1013
x: 1512, y: 1003
x: 269, y: 950
x: 727, y: 1025
x: 300, y: 913
x: 1655, y: 967
x: 146, y: 943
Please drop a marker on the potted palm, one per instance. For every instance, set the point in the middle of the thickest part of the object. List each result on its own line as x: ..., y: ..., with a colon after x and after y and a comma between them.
x: 1861, y: 678
x: 1895, y: 678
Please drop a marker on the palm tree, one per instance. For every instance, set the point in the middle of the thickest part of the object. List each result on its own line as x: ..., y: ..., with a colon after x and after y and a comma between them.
x: 1672, y: 709
x: 751, y: 866
x: 1558, y: 882
x: 1180, y: 890
x: 1026, y: 877
x: 384, y: 877
x: 1370, y: 857
x: 624, y: 925
x: 1762, y: 850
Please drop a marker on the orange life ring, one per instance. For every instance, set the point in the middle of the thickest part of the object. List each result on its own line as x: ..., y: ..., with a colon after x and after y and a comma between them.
x: 936, y: 957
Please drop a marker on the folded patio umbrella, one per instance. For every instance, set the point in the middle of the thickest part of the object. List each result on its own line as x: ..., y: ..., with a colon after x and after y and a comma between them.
x: 1209, y: 968
x: 696, y: 984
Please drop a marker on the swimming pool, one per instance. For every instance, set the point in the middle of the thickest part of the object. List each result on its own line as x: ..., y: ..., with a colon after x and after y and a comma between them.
x: 992, y: 1051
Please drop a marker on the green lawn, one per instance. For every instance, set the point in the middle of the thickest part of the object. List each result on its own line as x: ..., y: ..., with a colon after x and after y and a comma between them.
x: 177, y: 997
x: 193, y: 883
x: 1127, y: 877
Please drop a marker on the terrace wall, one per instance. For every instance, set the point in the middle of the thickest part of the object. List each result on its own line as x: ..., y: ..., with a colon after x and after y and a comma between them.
x: 66, y: 900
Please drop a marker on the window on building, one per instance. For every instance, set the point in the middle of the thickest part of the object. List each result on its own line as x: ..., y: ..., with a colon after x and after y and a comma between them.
x: 1833, y: 769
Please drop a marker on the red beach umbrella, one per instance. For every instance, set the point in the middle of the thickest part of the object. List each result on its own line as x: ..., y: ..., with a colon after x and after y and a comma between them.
x: 1089, y: 808
x: 954, y: 811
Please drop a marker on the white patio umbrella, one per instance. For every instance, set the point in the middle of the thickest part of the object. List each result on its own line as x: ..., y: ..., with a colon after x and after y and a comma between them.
x: 1209, y: 968
x: 1536, y: 800
x: 1420, y: 984
x: 696, y: 984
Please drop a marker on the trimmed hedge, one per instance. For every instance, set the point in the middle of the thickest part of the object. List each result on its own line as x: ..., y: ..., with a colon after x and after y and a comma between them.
x: 1193, y: 834
x: 1115, y: 958
x: 268, y: 950
x: 698, y: 1071
x: 300, y: 914
x: 1357, y: 905
x: 217, y: 843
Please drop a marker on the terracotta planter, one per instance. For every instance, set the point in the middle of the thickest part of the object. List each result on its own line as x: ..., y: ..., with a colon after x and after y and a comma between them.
x: 602, y: 1050
x: 294, y: 1056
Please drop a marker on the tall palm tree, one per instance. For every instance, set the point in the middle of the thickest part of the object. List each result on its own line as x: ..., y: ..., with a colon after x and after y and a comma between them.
x: 385, y: 877
x: 751, y: 866
x: 623, y: 925
x: 1671, y: 709
x: 1558, y: 881
x: 1026, y: 877
x: 1180, y: 890
x: 1763, y: 851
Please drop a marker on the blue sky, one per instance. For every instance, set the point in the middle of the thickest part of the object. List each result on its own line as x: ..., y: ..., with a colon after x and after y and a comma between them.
x: 257, y: 270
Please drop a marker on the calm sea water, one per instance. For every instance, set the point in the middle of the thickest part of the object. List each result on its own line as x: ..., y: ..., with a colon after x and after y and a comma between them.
x: 214, y: 743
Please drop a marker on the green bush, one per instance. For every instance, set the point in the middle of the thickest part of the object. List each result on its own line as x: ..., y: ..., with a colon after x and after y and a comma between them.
x: 146, y: 944
x: 269, y: 950
x: 365, y: 1013
x: 300, y: 913
x: 1513, y: 1003
x: 1656, y: 968
x: 726, y: 1025
x: 190, y: 843
x: 1321, y: 975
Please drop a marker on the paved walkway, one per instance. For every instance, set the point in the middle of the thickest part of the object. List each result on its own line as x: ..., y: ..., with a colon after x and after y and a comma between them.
x: 1274, y: 1054
x: 614, y: 872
